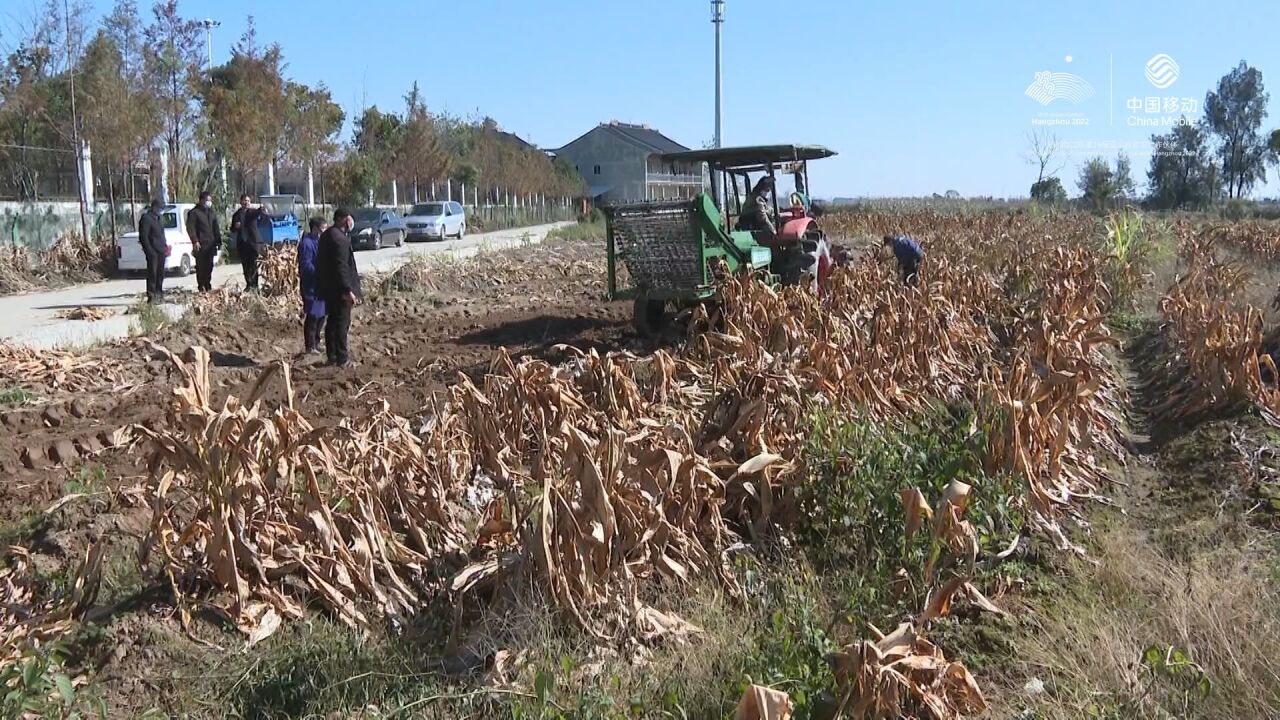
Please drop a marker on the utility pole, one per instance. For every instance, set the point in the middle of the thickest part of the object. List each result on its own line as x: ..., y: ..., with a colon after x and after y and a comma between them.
x: 209, y: 24
x: 75, y: 129
x: 717, y: 19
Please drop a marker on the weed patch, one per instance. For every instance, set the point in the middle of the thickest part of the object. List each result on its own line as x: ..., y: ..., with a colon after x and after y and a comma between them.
x: 581, y: 232
x: 147, y: 319
x: 16, y: 396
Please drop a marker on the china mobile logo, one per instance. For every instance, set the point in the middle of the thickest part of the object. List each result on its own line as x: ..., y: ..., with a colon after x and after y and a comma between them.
x: 1162, y: 71
x: 1050, y: 86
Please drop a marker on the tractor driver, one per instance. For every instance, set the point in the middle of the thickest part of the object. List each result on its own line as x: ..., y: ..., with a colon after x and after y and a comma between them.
x: 757, y: 211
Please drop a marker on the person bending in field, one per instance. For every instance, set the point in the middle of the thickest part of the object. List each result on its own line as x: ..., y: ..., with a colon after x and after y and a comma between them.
x: 909, y: 254
x: 313, y: 308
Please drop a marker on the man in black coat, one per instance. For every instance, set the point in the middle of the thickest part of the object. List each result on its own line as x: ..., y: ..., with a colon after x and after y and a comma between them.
x: 206, y: 239
x: 154, y: 249
x: 244, y: 227
x: 338, y: 284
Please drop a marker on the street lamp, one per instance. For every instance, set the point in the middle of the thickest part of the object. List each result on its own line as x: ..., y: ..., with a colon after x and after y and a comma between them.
x: 209, y: 24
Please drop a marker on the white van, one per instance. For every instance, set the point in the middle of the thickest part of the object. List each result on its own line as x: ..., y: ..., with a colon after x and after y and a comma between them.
x: 436, y: 221
x: 180, y: 253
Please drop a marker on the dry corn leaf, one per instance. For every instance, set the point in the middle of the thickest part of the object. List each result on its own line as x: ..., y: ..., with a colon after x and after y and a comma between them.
x: 762, y: 703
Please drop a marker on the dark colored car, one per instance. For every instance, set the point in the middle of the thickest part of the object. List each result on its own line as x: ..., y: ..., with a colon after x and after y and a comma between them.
x: 377, y: 228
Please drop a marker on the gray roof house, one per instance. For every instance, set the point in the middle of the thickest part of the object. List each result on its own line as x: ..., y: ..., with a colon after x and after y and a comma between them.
x: 622, y: 163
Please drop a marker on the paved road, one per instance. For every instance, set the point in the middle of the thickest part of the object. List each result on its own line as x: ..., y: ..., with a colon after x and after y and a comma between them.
x: 31, y: 319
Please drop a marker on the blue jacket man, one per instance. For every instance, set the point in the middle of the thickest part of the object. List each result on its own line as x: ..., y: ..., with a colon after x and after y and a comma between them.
x: 909, y: 254
x: 313, y: 306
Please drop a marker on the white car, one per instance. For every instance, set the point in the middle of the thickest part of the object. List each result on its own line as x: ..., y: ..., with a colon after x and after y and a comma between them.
x: 436, y: 221
x: 180, y: 253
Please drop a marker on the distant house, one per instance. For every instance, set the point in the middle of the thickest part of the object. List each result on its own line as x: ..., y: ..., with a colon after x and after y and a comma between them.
x: 622, y: 163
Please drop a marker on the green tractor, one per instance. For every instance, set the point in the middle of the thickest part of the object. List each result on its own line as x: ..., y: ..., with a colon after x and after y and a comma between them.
x: 667, y: 256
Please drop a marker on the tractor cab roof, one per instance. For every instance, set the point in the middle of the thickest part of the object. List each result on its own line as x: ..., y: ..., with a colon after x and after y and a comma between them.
x: 752, y: 156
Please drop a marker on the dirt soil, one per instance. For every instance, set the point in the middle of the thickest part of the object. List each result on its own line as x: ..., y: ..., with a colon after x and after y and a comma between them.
x: 412, y: 337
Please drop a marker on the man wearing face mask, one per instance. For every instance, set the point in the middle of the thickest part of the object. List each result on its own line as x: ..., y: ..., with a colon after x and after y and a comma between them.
x: 206, y: 237
x: 154, y: 248
x: 244, y: 227
x: 338, y: 284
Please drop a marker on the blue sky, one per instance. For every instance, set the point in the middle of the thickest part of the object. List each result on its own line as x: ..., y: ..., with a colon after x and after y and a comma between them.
x: 918, y: 97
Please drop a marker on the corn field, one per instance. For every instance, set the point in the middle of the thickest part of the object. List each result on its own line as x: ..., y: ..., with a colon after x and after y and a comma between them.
x: 607, y: 479
x: 601, y: 478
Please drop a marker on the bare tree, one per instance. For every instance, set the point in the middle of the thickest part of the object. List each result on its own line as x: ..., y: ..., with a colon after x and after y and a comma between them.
x: 1042, y: 152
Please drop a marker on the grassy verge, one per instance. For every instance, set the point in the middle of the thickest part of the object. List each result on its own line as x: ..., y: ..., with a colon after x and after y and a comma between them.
x: 581, y: 232
x: 1145, y: 633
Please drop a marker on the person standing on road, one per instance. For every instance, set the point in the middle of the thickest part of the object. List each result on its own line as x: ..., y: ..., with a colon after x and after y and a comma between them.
x: 206, y: 237
x: 154, y: 249
x: 244, y: 227
x: 909, y: 254
x: 338, y: 284
x: 313, y: 308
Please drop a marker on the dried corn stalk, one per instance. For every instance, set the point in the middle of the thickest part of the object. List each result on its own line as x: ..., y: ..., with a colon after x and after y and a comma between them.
x: 55, y: 370
x: 279, y: 269
x: 243, y: 498
x: 87, y: 312
x: 1217, y: 344
x: 903, y: 675
x: 28, y: 623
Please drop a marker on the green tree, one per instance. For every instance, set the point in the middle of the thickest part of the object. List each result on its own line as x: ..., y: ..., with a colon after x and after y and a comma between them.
x: 1273, y: 146
x: 1181, y: 174
x: 24, y: 101
x: 377, y: 136
x: 1234, y: 113
x: 1049, y: 191
x: 312, y: 122
x: 117, y: 118
x: 421, y: 154
x: 352, y: 179
x: 1097, y: 184
x: 35, y: 97
x: 245, y: 103
x: 1126, y: 188
x: 172, y: 59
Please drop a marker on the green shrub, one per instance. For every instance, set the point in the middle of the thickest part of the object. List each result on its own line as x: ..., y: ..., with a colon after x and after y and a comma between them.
x: 851, y: 509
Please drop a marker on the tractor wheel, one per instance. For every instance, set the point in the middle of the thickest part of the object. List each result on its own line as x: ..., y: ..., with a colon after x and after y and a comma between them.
x: 650, y: 316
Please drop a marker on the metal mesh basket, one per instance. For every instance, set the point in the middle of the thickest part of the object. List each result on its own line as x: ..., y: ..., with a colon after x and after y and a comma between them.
x: 659, y: 244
